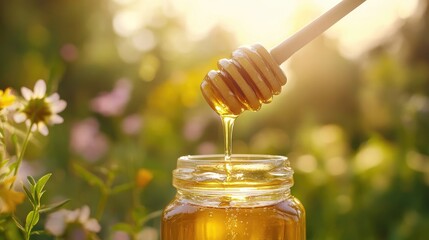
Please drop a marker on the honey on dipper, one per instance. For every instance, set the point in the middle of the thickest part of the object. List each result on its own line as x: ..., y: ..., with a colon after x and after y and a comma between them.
x: 251, y: 77
x: 242, y: 196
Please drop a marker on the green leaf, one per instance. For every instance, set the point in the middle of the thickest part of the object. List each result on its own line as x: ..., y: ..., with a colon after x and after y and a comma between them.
x: 39, y: 232
x: 29, y: 196
x: 121, y: 188
x: 42, y: 182
x: 41, y: 194
x: 17, y: 223
x: 53, y: 207
x: 31, y: 220
x: 36, y: 198
x: 31, y: 180
x: 13, y: 165
x: 3, y: 175
x: 3, y: 163
x: 32, y: 189
x: 89, y: 177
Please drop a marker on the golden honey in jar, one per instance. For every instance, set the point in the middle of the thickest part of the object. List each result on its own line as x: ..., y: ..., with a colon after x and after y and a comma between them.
x: 247, y: 197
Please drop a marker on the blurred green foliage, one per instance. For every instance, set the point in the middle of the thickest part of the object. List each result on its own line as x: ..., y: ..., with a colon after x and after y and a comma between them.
x: 355, y: 130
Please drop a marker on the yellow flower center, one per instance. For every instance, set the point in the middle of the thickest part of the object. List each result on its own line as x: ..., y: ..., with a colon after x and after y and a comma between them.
x: 37, y: 110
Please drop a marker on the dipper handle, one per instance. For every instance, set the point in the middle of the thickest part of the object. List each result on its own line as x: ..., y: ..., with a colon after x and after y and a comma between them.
x: 287, y: 48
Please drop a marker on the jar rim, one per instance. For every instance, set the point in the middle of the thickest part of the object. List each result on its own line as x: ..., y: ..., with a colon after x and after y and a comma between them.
x: 235, y: 158
x: 241, y: 170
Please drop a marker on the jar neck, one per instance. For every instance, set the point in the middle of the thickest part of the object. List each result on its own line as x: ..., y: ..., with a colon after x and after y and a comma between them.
x: 243, y: 181
x: 238, y: 199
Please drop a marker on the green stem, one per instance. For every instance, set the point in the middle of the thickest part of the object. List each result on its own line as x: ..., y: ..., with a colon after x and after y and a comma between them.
x: 2, y: 141
x: 151, y: 216
x: 102, y: 204
x: 106, y: 191
x: 21, y: 154
x: 3, y: 152
x: 28, y: 233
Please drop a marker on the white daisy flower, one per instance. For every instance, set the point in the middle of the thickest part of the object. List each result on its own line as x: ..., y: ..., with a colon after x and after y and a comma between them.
x: 39, y: 110
x: 58, y: 222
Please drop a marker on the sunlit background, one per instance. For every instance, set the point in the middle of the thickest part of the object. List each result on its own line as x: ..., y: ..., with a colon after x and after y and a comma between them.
x: 353, y: 118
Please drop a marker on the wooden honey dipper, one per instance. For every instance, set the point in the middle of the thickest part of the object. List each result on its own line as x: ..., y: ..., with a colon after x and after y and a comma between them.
x: 252, y: 76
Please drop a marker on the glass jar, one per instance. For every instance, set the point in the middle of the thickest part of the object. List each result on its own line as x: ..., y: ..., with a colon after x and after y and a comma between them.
x: 247, y: 198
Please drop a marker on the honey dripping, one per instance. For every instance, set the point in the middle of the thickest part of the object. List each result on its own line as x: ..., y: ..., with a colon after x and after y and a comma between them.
x: 228, y: 125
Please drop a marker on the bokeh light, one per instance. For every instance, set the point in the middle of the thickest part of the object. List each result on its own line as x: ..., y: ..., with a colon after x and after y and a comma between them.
x: 353, y: 118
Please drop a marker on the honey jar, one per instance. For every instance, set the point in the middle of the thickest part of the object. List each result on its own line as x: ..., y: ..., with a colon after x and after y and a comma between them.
x: 247, y: 197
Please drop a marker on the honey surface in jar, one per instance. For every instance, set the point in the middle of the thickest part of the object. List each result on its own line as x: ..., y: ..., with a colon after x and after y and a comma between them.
x: 282, y: 221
